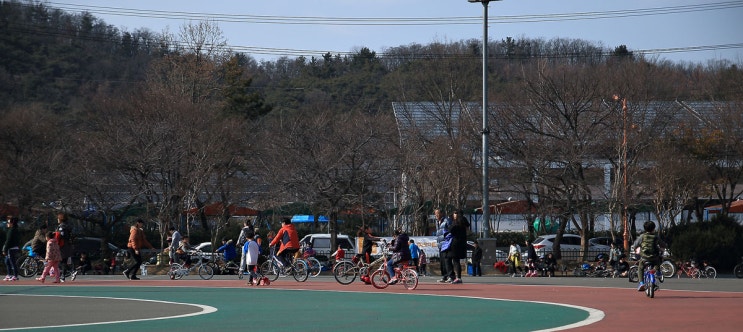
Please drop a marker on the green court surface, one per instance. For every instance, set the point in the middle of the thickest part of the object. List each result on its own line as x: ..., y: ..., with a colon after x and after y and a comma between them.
x: 270, y: 309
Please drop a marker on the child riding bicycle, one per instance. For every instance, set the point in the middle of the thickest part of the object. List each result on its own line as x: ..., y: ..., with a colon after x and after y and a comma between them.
x: 400, y: 254
x: 649, y: 245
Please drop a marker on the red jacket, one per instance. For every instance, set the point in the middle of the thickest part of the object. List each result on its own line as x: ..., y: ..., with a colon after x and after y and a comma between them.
x: 288, y: 237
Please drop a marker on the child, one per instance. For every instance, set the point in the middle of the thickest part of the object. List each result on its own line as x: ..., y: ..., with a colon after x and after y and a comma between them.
x: 339, y: 254
x: 53, y: 257
x: 649, y: 249
x: 422, y: 262
x: 251, y: 250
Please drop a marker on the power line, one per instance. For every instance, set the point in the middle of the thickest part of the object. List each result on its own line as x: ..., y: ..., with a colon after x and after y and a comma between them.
x: 394, y: 21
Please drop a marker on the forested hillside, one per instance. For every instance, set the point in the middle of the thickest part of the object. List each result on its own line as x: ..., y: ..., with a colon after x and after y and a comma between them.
x: 106, y: 124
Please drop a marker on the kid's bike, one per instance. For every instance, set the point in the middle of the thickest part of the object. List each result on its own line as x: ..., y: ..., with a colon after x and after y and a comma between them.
x: 405, y: 275
x: 273, y: 267
x: 649, y: 284
x: 738, y: 269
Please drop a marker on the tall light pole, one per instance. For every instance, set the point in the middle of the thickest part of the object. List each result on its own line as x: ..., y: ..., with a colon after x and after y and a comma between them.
x: 623, y: 156
x: 485, y: 129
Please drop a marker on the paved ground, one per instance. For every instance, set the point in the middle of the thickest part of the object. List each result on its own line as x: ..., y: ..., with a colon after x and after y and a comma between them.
x: 320, y: 304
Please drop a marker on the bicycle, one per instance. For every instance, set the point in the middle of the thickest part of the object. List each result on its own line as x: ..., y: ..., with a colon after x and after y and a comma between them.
x: 689, y: 268
x: 223, y: 267
x: 273, y: 267
x: 313, y: 264
x: 707, y: 271
x: 30, y: 264
x: 178, y: 270
x: 632, y: 273
x: 345, y: 271
x: 405, y: 275
x: 650, y: 286
x: 738, y: 269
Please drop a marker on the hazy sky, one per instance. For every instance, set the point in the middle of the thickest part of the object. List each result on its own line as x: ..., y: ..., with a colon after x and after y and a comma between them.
x: 670, y: 29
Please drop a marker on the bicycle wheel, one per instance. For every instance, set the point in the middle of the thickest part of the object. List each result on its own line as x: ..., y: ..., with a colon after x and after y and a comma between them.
x: 632, y: 274
x: 710, y: 272
x: 270, y: 270
x: 28, y: 266
x: 313, y: 267
x: 344, y: 272
x: 695, y: 274
x: 667, y: 268
x: 409, y: 279
x: 379, y: 279
x: 300, y: 270
x: 738, y: 271
x: 206, y: 271
x: 175, y: 271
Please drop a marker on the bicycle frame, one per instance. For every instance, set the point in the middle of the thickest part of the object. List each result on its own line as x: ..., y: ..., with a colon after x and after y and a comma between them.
x: 650, y: 282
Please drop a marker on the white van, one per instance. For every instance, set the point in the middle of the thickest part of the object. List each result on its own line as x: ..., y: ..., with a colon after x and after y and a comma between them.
x: 320, y: 242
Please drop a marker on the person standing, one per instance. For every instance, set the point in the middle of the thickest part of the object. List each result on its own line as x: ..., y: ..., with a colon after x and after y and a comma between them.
x: 64, y: 240
x: 614, y: 254
x: 422, y: 263
x: 368, y: 243
x: 443, y: 223
x: 241, y: 239
x: 52, y: 258
x: 531, y: 259
x: 137, y: 241
x: 514, y: 255
x: 414, y: 254
x: 458, y: 248
x: 175, y: 243
x: 251, y: 250
x: 477, y: 260
x: 11, y: 248
x: 288, y: 241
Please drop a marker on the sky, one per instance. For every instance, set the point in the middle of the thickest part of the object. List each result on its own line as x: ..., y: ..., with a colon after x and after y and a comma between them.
x: 684, y: 31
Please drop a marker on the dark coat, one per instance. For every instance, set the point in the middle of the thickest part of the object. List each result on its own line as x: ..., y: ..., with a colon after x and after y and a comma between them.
x: 458, y: 241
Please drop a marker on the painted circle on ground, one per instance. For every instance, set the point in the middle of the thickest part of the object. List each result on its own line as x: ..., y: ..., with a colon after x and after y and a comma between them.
x: 282, y: 310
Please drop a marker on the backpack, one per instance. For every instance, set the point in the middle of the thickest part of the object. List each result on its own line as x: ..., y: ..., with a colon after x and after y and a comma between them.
x: 59, y: 238
x: 649, y: 246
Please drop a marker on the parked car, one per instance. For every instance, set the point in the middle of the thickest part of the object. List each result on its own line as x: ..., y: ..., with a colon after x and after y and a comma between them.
x: 606, y: 241
x: 320, y: 242
x: 569, y: 246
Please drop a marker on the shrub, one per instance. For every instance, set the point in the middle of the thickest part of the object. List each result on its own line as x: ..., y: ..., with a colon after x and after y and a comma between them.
x: 719, y: 241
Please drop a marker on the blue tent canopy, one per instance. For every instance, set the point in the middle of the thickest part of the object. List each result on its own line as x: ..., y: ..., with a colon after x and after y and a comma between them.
x: 300, y: 218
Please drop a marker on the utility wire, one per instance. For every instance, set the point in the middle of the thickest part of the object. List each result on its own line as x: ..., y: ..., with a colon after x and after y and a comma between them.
x: 395, y: 21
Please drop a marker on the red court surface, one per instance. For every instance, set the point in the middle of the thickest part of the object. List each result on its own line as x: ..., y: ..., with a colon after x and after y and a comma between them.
x: 680, y: 305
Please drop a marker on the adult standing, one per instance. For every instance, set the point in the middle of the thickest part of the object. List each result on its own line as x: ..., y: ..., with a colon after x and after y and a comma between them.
x: 64, y: 240
x: 477, y: 260
x: 137, y: 241
x: 368, y: 243
x: 175, y: 242
x: 458, y: 248
x: 11, y: 248
x: 288, y: 241
x: 531, y: 259
x: 443, y: 223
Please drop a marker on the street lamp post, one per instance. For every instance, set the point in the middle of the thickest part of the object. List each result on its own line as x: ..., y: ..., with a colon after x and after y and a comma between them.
x: 623, y: 156
x: 485, y: 129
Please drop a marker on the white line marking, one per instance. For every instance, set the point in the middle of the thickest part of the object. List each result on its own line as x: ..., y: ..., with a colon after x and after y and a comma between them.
x: 205, y: 309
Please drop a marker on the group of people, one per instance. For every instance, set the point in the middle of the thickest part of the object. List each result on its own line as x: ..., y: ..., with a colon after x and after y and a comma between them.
x: 54, y: 246
x: 452, y: 237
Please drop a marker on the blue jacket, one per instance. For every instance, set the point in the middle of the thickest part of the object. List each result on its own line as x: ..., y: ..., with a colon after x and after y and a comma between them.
x: 228, y: 250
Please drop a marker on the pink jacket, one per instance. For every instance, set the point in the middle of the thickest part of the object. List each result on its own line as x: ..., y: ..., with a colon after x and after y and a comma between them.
x: 52, y: 251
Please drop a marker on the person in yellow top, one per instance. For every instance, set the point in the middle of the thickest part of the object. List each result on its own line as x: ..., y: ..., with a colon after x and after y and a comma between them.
x: 137, y: 240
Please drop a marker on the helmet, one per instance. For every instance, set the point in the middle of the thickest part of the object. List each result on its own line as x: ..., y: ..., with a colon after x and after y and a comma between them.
x: 585, y: 266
